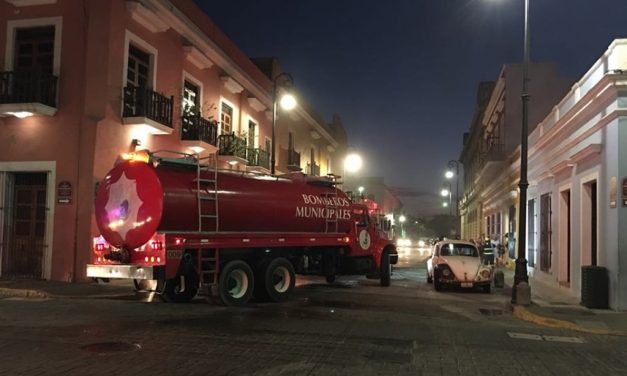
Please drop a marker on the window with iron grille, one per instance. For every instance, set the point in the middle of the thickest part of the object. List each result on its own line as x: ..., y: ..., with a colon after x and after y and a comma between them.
x: 226, y: 118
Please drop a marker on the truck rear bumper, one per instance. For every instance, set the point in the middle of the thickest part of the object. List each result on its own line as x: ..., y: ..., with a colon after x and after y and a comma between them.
x: 120, y: 271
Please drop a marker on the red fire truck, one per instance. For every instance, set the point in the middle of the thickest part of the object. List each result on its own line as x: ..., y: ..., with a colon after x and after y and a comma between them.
x: 183, y: 223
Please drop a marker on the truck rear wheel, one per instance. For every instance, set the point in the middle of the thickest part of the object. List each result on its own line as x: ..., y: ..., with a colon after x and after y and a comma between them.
x: 279, y: 279
x: 236, y: 285
x: 386, y: 269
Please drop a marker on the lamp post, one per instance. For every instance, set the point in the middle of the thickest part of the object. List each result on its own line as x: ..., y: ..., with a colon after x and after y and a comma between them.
x: 447, y: 192
x: 520, y: 274
x: 402, y: 220
x: 449, y: 175
x: 288, y: 102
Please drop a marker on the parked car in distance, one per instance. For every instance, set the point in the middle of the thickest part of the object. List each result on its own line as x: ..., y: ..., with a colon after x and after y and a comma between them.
x: 457, y: 263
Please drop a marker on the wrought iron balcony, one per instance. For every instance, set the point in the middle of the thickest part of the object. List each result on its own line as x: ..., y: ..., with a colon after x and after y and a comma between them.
x: 313, y: 170
x: 147, y: 107
x: 293, y: 160
x: 32, y: 92
x: 231, y: 145
x: 197, y: 128
x: 259, y: 158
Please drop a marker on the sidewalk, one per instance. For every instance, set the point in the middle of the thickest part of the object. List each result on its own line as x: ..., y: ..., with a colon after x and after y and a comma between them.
x: 53, y: 289
x: 554, y: 307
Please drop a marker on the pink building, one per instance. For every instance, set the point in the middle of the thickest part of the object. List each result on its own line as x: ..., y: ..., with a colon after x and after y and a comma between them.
x: 84, y: 82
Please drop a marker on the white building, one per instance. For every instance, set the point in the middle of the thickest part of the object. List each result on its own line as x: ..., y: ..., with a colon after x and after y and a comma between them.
x: 577, y: 198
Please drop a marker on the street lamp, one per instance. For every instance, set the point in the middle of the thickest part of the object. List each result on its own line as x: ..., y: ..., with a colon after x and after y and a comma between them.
x: 449, y: 175
x: 287, y: 102
x: 520, y: 274
x: 353, y: 162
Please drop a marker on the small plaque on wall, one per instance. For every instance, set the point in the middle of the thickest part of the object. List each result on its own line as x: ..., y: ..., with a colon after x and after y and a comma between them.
x: 64, y: 192
x: 613, y: 192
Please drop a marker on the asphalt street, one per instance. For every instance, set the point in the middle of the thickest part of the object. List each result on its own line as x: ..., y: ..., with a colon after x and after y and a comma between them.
x: 353, y: 327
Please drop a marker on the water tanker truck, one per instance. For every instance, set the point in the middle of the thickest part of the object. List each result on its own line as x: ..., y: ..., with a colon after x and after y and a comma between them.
x: 233, y: 235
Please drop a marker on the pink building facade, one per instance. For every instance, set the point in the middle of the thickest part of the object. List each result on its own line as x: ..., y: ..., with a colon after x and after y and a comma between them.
x: 86, y: 81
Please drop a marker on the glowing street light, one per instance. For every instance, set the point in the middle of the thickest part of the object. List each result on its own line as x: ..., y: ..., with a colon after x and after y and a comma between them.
x: 445, y: 204
x: 402, y: 219
x: 353, y: 163
x: 287, y: 102
x: 449, y: 174
x: 444, y: 192
x: 360, y: 189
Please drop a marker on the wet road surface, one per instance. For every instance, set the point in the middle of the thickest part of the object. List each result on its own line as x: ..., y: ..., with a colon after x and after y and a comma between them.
x: 353, y: 327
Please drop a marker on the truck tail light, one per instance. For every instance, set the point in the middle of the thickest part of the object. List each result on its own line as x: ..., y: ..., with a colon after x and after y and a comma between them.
x: 156, y: 246
x: 179, y: 241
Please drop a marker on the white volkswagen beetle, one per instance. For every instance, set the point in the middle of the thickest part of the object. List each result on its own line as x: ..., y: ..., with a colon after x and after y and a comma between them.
x: 457, y: 263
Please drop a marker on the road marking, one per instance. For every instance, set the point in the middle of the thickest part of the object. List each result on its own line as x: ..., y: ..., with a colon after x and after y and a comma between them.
x: 533, y: 337
x: 563, y: 339
x: 536, y: 337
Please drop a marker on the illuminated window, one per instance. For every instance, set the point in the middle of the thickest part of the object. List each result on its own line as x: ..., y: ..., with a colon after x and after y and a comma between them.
x: 226, y: 119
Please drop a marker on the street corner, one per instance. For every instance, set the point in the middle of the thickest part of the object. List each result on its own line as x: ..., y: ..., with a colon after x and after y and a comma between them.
x: 543, y: 317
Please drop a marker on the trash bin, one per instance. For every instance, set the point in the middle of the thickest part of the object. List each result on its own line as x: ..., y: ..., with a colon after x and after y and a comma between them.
x: 594, y: 287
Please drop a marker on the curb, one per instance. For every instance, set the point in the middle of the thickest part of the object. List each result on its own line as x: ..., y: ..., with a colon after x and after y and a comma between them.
x: 39, y: 294
x: 22, y: 293
x: 524, y: 314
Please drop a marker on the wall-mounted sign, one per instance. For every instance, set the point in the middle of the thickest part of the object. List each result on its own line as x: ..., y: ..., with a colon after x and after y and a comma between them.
x: 613, y: 192
x: 625, y: 192
x: 64, y: 193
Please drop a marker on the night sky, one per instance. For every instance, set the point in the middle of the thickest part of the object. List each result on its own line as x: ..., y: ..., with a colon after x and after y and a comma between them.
x: 403, y: 74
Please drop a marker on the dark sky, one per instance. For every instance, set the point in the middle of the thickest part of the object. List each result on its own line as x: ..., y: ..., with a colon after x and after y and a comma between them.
x: 403, y: 74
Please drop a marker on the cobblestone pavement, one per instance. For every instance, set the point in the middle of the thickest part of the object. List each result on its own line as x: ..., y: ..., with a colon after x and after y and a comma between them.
x: 352, y: 328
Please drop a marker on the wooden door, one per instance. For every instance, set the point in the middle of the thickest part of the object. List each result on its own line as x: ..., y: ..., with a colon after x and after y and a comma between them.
x: 28, y: 226
x: 545, y: 232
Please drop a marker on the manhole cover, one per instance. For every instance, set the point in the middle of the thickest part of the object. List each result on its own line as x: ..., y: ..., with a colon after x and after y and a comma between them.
x: 490, y: 312
x: 111, y: 347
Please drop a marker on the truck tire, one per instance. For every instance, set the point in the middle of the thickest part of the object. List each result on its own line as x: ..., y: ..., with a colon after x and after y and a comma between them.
x: 279, y: 279
x: 236, y: 283
x: 386, y: 269
x: 172, y: 289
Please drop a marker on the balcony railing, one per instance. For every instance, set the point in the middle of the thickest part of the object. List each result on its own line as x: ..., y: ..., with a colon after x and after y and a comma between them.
x: 313, y: 170
x: 28, y: 87
x: 145, y: 102
x: 197, y: 128
x: 230, y: 144
x: 258, y: 157
x: 293, y: 159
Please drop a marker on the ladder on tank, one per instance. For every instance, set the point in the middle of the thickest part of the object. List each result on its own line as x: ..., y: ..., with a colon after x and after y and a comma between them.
x: 207, y: 192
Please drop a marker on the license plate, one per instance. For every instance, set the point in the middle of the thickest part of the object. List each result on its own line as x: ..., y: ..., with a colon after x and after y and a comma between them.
x: 466, y: 284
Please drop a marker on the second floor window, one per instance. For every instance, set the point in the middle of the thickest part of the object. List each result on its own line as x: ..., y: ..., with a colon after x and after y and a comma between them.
x: 252, y: 133
x: 191, y: 98
x: 34, y: 49
x: 138, y: 71
x: 226, y: 119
